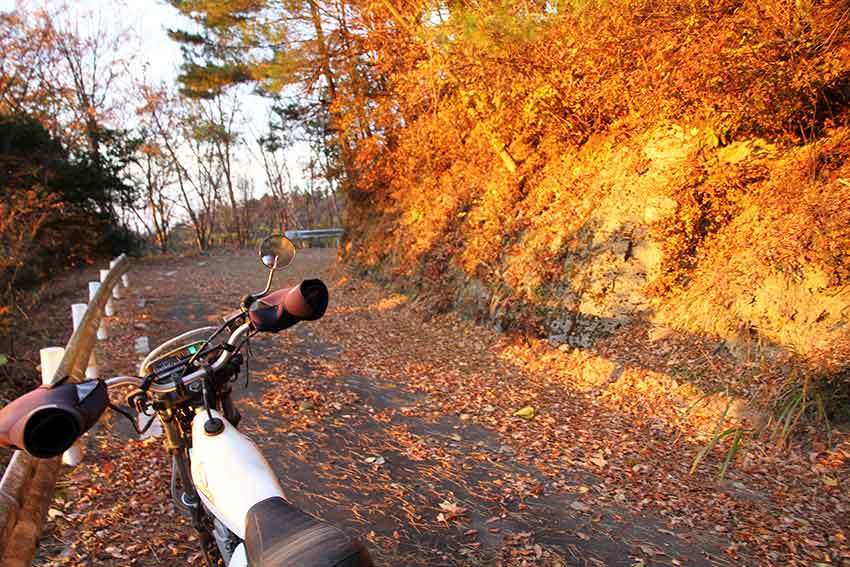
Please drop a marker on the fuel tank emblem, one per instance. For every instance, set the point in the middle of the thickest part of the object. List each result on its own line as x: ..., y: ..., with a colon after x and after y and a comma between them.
x: 199, y: 476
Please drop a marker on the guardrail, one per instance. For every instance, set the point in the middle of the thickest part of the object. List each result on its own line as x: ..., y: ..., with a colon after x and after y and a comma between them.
x: 27, y: 486
x: 315, y: 234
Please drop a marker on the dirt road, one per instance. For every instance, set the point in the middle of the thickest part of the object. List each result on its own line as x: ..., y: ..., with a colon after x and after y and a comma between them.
x: 399, y: 426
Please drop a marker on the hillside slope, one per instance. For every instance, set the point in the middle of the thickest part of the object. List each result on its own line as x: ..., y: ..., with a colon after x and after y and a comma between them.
x: 634, y: 174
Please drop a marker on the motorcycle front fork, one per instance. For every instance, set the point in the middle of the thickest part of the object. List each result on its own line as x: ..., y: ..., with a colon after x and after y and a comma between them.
x: 184, y: 496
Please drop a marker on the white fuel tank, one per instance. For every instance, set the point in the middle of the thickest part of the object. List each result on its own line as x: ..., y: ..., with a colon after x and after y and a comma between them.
x: 230, y: 473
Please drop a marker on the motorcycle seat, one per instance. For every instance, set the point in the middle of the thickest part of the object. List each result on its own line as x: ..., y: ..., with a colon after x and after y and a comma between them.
x: 280, y: 535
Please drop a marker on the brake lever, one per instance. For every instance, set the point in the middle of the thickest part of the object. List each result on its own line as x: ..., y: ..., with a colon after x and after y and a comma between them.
x: 139, y: 401
x: 247, y: 301
x: 132, y: 420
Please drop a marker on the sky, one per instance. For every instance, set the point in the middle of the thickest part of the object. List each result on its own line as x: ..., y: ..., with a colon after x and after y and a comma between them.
x: 158, y: 56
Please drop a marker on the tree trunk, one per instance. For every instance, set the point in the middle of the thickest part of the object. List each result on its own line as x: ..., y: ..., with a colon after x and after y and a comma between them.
x: 325, y: 62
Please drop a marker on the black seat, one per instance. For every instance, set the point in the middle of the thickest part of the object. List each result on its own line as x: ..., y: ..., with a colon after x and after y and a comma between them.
x: 280, y: 535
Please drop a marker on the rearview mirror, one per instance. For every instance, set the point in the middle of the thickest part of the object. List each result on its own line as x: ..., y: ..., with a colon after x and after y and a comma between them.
x: 277, y: 251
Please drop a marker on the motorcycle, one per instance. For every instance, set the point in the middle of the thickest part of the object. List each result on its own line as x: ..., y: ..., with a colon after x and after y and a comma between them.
x: 186, y: 383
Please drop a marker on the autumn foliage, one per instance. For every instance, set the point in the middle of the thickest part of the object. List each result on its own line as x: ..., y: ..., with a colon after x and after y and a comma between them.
x: 61, y: 182
x: 649, y: 196
x: 683, y: 164
x: 543, y: 87
x: 570, y: 168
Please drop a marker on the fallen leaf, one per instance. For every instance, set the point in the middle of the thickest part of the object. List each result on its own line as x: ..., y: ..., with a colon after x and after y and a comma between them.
x: 115, y: 552
x: 452, y: 509
x: 526, y: 413
x: 599, y: 460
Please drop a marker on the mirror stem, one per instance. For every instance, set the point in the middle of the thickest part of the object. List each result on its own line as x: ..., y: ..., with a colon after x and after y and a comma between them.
x: 269, y: 282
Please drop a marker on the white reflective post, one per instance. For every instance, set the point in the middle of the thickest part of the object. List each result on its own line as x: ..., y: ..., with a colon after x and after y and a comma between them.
x: 116, y: 290
x: 51, y: 358
x: 109, y: 310
x: 125, y: 280
x: 142, y: 345
x: 91, y: 369
x: 78, y: 311
x: 101, y: 330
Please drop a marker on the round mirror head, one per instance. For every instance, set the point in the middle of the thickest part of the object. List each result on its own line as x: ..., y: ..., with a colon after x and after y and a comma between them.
x: 277, y: 251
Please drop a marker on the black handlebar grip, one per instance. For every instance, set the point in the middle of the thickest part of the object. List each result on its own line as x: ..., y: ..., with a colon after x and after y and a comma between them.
x: 48, y: 420
x: 281, y: 309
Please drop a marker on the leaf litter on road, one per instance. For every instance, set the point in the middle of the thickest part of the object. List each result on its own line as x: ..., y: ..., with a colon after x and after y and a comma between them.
x: 381, y: 378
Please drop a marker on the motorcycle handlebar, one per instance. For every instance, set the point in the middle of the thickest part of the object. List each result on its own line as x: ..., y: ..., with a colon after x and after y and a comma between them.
x: 48, y: 420
x: 281, y: 309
